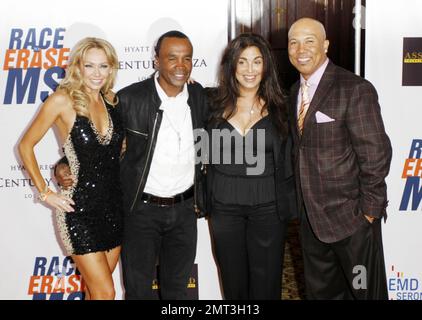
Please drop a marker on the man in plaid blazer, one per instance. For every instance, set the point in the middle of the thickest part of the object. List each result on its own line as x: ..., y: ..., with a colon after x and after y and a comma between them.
x: 342, y: 156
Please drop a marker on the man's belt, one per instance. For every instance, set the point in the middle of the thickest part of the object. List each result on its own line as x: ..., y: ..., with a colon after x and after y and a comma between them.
x: 167, y: 202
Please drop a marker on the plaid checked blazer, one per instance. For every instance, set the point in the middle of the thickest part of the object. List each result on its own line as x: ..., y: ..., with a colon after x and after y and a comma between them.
x: 341, y: 165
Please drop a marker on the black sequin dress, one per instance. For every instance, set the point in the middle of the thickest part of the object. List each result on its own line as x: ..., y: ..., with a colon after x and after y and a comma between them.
x: 96, y: 224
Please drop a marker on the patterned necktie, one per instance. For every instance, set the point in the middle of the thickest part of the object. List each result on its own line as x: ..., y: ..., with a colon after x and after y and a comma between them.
x: 303, y: 107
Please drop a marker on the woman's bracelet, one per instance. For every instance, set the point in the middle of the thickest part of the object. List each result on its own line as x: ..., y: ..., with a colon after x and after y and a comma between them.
x: 44, y: 194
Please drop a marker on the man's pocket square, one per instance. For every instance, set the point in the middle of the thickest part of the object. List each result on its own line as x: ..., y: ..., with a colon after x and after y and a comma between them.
x: 322, y: 118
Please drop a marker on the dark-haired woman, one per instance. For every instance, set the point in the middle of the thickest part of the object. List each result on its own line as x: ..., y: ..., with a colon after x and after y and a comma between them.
x: 251, y: 188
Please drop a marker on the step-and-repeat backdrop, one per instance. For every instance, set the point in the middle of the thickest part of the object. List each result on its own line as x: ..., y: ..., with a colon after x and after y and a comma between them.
x: 35, y: 40
x: 394, y: 65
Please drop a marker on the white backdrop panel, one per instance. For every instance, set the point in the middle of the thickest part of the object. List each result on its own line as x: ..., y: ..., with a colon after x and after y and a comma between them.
x: 387, y: 23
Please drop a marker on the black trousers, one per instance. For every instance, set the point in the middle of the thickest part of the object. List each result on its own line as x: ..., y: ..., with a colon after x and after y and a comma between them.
x: 249, y: 249
x: 349, y: 269
x: 166, y: 235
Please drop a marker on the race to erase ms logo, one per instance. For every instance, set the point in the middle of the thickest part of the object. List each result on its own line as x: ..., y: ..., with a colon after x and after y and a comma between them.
x: 33, y: 64
x: 402, y: 287
x: 412, y: 173
x: 55, y: 278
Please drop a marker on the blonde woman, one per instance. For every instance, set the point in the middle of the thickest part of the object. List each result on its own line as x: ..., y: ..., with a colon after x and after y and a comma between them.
x: 89, y: 213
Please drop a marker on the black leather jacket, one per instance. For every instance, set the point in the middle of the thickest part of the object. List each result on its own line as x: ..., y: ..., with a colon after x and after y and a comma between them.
x: 139, y: 106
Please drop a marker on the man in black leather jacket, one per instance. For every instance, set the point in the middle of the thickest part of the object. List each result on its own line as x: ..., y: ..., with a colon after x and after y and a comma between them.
x: 162, y: 192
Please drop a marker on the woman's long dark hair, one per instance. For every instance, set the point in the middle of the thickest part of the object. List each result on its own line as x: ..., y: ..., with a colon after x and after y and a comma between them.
x: 223, y: 99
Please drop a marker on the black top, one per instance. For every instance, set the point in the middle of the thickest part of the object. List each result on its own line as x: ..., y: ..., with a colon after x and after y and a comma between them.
x: 243, y: 166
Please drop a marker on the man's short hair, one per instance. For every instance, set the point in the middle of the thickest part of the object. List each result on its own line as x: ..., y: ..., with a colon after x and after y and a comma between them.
x: 169, y: 34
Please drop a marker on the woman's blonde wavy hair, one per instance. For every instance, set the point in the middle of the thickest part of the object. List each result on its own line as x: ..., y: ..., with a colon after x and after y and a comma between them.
x: 73, y: 83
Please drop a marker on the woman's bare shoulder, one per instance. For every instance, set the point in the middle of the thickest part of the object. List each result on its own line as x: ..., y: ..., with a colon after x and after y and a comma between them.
x: 59, y: 99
